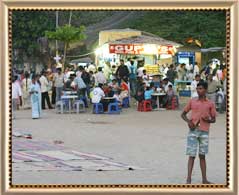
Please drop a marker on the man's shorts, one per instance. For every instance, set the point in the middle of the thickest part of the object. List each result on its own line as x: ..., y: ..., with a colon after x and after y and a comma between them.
x: 197, y: 138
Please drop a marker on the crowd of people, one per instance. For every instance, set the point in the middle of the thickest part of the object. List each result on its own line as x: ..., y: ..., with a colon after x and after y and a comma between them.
x: 31, y: 90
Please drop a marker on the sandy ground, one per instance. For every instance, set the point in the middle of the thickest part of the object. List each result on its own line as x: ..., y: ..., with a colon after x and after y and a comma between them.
x: 153, y: 140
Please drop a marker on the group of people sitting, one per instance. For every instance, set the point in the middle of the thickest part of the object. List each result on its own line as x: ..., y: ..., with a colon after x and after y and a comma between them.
x: 145, y: 92
x: 116, y: 91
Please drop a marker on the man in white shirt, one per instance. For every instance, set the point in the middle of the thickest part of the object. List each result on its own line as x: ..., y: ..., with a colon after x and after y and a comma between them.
x: 100, y: 77
x: 140, y: 71
x: 195, y: 69
x: 16, y: 95
x: 194, y: 83
x: 189, y: 67
x: 98, y: 94
x: 44, y: 91
x: 58, y: 83
x: 166, y: 83
x: 81, y: 89
x: 181, y: 70
x: 165, y: 70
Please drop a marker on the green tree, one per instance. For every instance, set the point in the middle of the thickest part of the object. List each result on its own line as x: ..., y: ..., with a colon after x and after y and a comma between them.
x: 27, y: 28
x: 67, y: 34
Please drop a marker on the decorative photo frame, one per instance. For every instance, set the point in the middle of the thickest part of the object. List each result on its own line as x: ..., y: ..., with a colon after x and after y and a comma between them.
x: 232, y: 45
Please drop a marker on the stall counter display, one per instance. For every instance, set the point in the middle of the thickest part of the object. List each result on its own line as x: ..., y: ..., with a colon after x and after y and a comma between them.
x: 151, y: 69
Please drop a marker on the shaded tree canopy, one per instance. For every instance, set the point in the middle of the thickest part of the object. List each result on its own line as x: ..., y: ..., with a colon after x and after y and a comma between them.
x: 28, y: 27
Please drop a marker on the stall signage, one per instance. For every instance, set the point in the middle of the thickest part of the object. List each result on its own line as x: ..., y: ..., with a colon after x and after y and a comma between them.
x: 186, y: 54
x: 126, y: 49
x: 166, y: 49
x: 139, y: 49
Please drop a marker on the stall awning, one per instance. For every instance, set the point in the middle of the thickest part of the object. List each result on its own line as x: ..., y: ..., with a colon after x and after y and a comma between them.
x: 144, y: 39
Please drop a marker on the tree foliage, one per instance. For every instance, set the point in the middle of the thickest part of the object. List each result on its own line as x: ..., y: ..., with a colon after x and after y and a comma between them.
x: 67, y: 34
x: 27, y: 28
x: 207, y: 26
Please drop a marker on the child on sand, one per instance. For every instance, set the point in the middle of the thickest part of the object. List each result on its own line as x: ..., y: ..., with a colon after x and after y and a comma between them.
x: 203, y: 113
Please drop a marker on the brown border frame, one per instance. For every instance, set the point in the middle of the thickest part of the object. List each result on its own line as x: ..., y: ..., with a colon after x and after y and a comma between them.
x: 232, y: 39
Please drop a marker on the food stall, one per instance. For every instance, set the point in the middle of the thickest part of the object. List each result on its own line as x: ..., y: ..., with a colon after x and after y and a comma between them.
x: 145, y: 48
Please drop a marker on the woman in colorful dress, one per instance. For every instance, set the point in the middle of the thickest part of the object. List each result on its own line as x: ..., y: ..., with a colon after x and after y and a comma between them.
x: 124, y: 87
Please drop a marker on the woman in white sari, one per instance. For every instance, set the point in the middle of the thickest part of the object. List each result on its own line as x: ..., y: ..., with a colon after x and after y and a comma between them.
x: 35, y: 92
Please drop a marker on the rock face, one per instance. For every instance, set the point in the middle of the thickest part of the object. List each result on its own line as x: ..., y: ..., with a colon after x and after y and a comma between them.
x: 115, y: 21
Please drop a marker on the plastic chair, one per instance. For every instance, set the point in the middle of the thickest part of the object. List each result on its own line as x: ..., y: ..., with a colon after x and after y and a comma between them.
x: 125, y: 102
x: 79, y: 106
x: 60, y: 107
x: 113, y: 108
x: 66, y: 102
x: 98, y: 108
x: 147, y: 106
x: 174, y: 103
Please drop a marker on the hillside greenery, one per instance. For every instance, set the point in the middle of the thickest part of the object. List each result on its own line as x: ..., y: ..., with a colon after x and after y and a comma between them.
x: 209, y: 27
x: 28, y: 27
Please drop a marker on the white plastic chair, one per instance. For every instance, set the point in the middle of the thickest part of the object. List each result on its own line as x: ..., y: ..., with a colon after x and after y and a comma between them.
x: 60, y: 107
x: 79, y: 106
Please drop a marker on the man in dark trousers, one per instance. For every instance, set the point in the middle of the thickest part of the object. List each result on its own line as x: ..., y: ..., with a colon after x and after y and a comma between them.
x: 171, y: 74
x: 44, y: 90
x: 122, y: 72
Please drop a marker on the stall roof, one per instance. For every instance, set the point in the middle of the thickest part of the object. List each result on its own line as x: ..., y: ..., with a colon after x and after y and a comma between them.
x: 145, y: 39
x: 213, y: 49
x: 198, y: 49
x: 121, y: 30
x: 189, y: 48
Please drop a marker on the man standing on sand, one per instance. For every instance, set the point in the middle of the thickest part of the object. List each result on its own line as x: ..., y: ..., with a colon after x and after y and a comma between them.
x: 212, y: 88
x: 122, y: 72
x: 44, y: 90
x: 203, y: 113
x: 194, y: 83
x: 16, y: 95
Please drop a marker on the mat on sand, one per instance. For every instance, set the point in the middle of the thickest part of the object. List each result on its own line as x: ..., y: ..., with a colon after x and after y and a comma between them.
x: 35, y: 155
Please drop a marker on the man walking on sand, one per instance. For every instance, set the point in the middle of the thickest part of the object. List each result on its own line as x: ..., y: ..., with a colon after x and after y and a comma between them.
x: 203, y: 113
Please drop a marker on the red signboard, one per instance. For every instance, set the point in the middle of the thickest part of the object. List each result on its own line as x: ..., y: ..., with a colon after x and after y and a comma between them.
x: 139, y: 49
x: 169, y: 49
x: 126, y: 48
